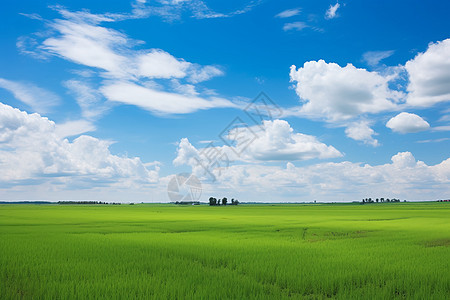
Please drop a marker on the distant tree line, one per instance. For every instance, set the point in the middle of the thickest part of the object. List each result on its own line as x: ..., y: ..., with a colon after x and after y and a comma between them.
x: 380, y: 200
x: 215, y: 202
x: 26, y: 202
x: 86, y: 202
x: 186, y: 202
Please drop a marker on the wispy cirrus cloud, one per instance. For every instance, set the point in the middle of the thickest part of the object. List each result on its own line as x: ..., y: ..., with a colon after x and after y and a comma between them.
x: 171, y: 10
x: 297, y: 26
x: 74, y: 128
x: 288, y: 13
x: 80, y: 38
x: 159, y: 102
x: 88, y: 98
x: 373, y: 58
x: 38, y: 99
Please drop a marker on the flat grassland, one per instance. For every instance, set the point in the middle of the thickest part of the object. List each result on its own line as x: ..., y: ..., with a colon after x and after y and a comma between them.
x: 377, y: 251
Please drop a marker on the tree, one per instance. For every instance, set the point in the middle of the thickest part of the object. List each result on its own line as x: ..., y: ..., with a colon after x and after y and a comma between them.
x: 218, y: 201
x: 224, y: 201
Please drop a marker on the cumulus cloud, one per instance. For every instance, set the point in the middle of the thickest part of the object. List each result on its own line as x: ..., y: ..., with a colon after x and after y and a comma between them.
x: 338, y: 93
x: 407, y: 123
x: 404, y: 178
x: 341, y: 95
x: 429, y: 75
x: 31, y: 148
x: 38, y: 99
x: 295, y: 26
x: 331, y: 12
x: 276, y: 140
x: 186, y: 153
x: 404, y: 160
x: 361, y: 131
x: 273, y: 141
x: 288, y: 13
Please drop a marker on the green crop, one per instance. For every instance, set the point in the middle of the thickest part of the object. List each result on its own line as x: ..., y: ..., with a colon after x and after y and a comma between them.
x: 379, y: 251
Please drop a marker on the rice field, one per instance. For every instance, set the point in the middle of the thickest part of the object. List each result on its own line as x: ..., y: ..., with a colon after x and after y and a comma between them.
x: 380, y: 251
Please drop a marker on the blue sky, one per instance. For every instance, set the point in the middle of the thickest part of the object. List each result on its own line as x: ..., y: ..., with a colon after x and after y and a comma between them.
x: 108, y: 102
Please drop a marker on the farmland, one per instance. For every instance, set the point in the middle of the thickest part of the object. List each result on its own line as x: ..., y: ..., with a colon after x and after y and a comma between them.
x: 337, y: 251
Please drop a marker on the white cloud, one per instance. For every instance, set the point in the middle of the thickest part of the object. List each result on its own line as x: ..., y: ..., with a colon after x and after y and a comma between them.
x: 444, y: 118
x: 434, y: 140
x: 360, y: 131
x: 404, y: 178
x: 273, y: 141
x: 429, y: 75
x: 404, y: 160
x: 276, y: 140
x: 374, y: 57
x: 294, y: 26
x: 337, y: 93
x: 159, y: 101
x: 73, y: 128
x: 38, y: 99
x: 90, y: 45
x: 442, y: 128
x: 160, y: 64
x: 407, y: 123
x: 88, y: 98
x: 27, y: 46
x: 80, y: 39
x: 288, y: 13
x: 31, y: 149
x: 174, y: 9
x: 200, y: 73
x: 186, y: 153
x: 331, y: 12
x: 85, y: 16
x: 184, y: 89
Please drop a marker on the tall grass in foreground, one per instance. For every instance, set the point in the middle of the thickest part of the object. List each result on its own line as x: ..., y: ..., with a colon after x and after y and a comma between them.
x: 245, y: 252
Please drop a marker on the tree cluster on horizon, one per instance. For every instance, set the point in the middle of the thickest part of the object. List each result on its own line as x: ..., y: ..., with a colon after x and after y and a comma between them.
x: 380, y: 200
x: 216, y: 202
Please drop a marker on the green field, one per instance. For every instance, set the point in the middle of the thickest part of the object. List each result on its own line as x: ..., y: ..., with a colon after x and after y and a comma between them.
x: 379, y: 251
